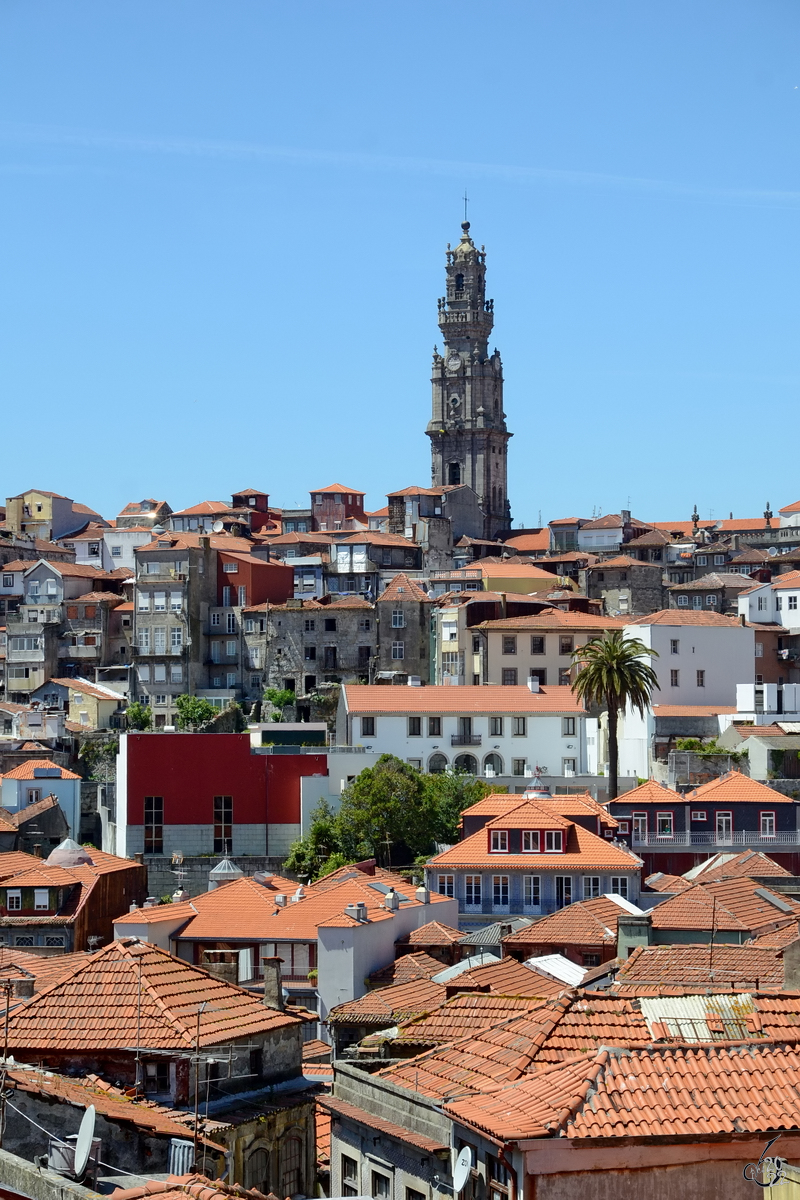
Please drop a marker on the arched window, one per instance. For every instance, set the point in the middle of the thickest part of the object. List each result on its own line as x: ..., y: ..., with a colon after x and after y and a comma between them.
x: 454, y: 473
x: 437, y: 764
x: 291, y: 1163
x: 466, y: 762
x: 256, y: 1173
x: 459, y: 283
x: 492, y: 765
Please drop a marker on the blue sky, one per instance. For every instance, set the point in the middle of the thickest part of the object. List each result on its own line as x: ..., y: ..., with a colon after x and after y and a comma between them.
x: 224, y: 230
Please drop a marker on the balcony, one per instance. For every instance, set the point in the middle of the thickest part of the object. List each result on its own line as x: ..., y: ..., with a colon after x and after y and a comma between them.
x: 79, y: 651
x: 465, y: 739
x: 739, y: 837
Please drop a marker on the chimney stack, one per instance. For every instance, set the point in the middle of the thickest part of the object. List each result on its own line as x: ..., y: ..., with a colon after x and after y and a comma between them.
x: 273, y: 988
x: 23, y: 987
x: 533, y: 683
x: 37, y: 850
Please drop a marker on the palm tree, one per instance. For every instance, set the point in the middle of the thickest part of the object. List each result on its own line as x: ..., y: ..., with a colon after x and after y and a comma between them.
x: 612, y: 672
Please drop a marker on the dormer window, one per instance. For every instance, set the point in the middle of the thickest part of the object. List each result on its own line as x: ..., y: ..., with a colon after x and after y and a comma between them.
x: 499, y: 842
x: 553, y: 841
x: 530, y: 841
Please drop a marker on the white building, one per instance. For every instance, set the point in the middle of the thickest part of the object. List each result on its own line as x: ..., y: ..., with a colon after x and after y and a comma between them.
x: 490, y: 731
x: 37, y: 778
x: 702, y: 656
x: 776, y: 602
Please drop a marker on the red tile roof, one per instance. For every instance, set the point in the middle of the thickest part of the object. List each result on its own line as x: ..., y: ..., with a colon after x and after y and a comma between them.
x: 777, y: 939
x: 692, y: 710
x: 402, y: 589
x: 132, y: 993
x: 679, y: 616
x: 405, y: 969
x: 26, y: 770
x: 338, y: 487
x: 508, y: 978
x: 432, y: 934
x: 650, y: 792
x: 659, y: 882
x: 466, y: 1013
x: 702, y: 966
x: 587, y: 923
x: 790, y: 580
x: 752, y: 863
x: 415, y: 491
x: 527, y: 542
x: 729, y: 904
x: 440, y: 698
x: 389, y: 1006
x: 624, y: 561
x: 584, y: 850
x: 736, y: 788
x: 555, y: 618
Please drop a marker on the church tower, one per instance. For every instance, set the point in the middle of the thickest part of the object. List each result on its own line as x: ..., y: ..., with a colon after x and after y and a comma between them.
x: 469, y: 439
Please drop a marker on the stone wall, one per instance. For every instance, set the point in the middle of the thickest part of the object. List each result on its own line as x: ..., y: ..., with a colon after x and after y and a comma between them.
x: 162, y: 880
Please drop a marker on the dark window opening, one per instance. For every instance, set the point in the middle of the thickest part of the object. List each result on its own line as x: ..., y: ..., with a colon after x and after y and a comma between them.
x: 223, y: 824
x: 454, y: 473
x: 153, y: 824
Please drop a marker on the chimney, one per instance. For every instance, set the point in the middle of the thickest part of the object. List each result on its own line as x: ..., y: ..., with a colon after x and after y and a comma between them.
x: 422, y: 894
x: 533, y: 684
x: 280, y: 900
x: 23, y: 988
x: 139, y: 858
x: 391, y: 900
x: 742, y: 619
x: 151, y: 902
x: 273, y: 988
x: 37, y: 849
x: 625, y: 516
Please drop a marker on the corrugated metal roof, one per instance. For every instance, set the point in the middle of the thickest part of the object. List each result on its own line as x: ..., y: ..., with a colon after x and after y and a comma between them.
x: 559, y: 967
x: 691, y: 1017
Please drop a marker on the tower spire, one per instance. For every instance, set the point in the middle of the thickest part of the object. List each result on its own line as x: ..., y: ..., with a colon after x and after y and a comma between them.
x: 468, y: 433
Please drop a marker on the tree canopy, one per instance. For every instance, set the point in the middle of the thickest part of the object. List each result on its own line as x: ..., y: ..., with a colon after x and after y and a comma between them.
x: 194, y: 712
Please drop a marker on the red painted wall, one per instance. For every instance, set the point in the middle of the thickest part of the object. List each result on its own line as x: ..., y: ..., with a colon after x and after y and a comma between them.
x: 264, y: 580
x: 190, y: 769
x: 284, y: 772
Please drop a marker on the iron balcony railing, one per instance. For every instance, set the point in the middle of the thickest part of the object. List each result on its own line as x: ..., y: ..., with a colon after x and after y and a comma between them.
x: 738, y: 837
x: 465, y: 739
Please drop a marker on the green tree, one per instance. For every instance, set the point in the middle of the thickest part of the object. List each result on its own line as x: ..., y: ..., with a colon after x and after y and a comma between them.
x: 279, y: 698
x: 387, y: 812
x: 194, y: 712
x: 613, y: 673
x: 450, y: 793
x: 310, y: 855
x: 139, y: 716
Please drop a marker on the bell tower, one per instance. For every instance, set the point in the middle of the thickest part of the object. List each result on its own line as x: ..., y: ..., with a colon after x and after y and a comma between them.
x: 469, y: 439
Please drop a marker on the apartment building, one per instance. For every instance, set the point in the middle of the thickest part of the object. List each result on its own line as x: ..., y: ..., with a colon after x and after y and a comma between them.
x: 404, y: 628
x: 537, y: 646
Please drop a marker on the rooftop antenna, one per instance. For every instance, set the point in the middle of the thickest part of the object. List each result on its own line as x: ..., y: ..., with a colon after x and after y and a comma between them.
x: 466, y: 202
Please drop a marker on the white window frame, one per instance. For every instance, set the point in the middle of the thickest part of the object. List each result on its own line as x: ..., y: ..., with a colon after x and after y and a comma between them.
x: 619, y: 886
x: 530, y: 841
x: 499, y: 841
x: 591, y: 887
x: 665, y: 815
x: 446, y: 886
x: 553, y: 841
x: 473, y: 891
x: 14, y: 899
x: 766, y: 822
x: 501, y: 886
x: 531, y: 891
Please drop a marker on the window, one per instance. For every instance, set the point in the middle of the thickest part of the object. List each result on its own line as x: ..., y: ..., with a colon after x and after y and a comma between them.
x: 762, y: 603
x: 472, y: 890
x: 398, y: 618
x: 624, y: 826
x: 13, y: 899
x: 116, y: 551
x: 310, y: 653
x: 160, y: 699
x: 160, y: 601
x: 8, y: 581
x: 175, y: 601
x: 54, y: 939
x: 568, y: 727
x: 768, y: 824
x: 697, y: 601
x: 564, y: 676
x: 176, y: 640
x: 230, y: 623
x: 309, y: 625
x: 530, y: 841
x: 719, y: 559
x: 519, y: 726
x: 553, y: 841
x: 226, y: 597
x: 759, y: 649
x: 792, y: 602
x: 230, y: 568
x: 674, y: 646
x: 640, y: 827
x: 698, y: 815
x: 153, y: 824
x: 711, y: 601
x: 434, y: 726
x: 563, y: 890
x: 330, y: 625
x: 518, y: 766
x: 683, y: 601
x: 159, y: 673
x: 35, y: 794
x: 411, y: 1194
x: 537, y: 645
x: 495, y: 726
x: 159, y: 639
x: 500, y: 891
x: 215, y: 618
x: 499, y: 841
x: 702, y: 560
x: 591, y: 887
x: 674, y: 678
x: 368, y: 727
x: 509, y: 645
x: 242, y: 596
x: 380, y: 1186
x: 566, y: 644
x: 349, y: 1173
x: 415, y: 726
x: 363, y: 624
x: 509, y: 676
x: 569, y: 766
x: 175, y: 673
x: 231, y: 679
x: 619, y: 886
x: 398, y: 650
x: 531, y: 891
x: 447, y: 886
x: 701, y: 679
x: 24, y: 939
x: 223, y: 824
x: 664, y: 825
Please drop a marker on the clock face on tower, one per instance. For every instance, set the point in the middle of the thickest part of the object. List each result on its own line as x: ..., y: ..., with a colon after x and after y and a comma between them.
x: 454, y: 363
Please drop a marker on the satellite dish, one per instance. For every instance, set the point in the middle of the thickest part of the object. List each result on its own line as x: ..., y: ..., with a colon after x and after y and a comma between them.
x: 83, y: 1146
x: 462, y: 1169
x: 217, y: 527
x: 773, y: 550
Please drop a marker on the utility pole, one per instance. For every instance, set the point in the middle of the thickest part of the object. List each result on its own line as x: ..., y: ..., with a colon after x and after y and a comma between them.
x: 200, y: 1010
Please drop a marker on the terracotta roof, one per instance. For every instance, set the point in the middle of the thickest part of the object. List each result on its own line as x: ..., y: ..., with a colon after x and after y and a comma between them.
x: 678, y: 616
x: 713, y: 581
x: 682, y: 526
x: 777, y: 939
x: 322, y: 1120
x: 465, y: 1013
x: 205, y: 508
x: 584, y: 850
x: 752, y: 863
x: 14, y: 861
x: 338, y: 487
x: 587, y: 923
x: 241, y: 905
x: 135, y: 506
x: 415, y: 491
x: 401, y: 589
x: 90, y: 689
x: 508, y: 567
x: 440, y: 698
x: 702, y: 966
x: 294, y: 539
x: 432, y: 934
x: 132, y: 993
x: 112, y: 1103
x: 509, y: 977
x: 157, y: 914
x: 529, y: 815
x: 26, y: 770
x: 405, y: 969
x: 7, y: 824
x: 389, y: 1006
x: 739, y: 904
x: 659, y: 882
x: 568, y: 521
x: 791, y: 579
x: 743, y: 523
x: 649, y: 793
x: 675, y: 1091
x: 530, y: 541
x: 178, y: 1187
x: 736, y: 788
x: 747, y: 731
x: 624, y: 560
x: 31, y: 811
x: 555, y: 618
x: 790, y: 508
x: 374, y: 537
